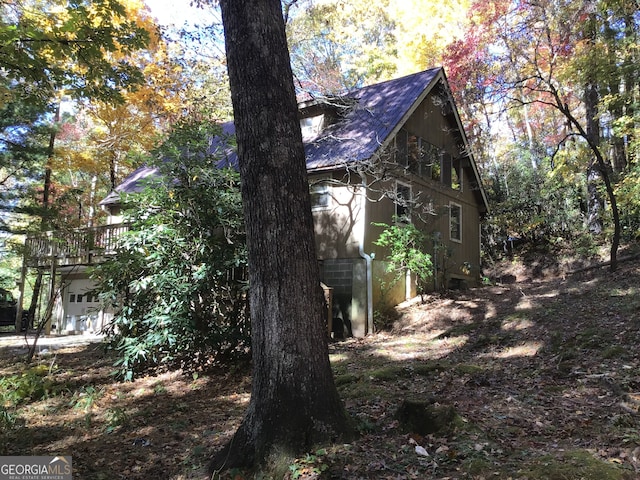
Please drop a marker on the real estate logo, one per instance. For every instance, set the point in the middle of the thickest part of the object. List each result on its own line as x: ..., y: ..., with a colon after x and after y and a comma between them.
x: 35, y: 468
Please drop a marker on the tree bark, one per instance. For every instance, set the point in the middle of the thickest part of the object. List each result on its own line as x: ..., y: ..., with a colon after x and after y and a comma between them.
x: 45, y: 221
x: 598, y: 167
x: 590, y: 101
x: 294, y: 402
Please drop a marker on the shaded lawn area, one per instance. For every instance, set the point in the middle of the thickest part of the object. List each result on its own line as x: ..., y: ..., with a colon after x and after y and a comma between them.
x: 543, y: 377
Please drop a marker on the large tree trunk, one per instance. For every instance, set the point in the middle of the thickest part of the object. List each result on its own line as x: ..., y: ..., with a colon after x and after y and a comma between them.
x: 294, y: 403
x: 598, y: 167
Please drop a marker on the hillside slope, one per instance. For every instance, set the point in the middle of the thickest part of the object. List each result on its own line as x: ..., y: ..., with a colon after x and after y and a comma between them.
x: 534, y: 379
x: 543, y: 373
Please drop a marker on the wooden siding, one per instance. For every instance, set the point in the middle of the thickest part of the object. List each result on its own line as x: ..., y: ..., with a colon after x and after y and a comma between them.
x: 457, y: 262
x: 338, y: 226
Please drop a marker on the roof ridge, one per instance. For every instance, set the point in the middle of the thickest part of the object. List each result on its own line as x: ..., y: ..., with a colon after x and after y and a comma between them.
x: 398, y: 79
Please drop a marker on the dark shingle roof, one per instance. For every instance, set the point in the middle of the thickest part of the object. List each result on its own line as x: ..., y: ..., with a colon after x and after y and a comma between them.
x: 376, y: 112
x: 132, y: 184
x: 136, y: 182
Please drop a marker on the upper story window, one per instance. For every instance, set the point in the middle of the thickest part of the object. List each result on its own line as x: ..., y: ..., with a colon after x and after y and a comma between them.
x: 311, y: 126
x: 456, y: 175
x: 427, y: 160
x: 432, y: 162
x: 455, y: 222
x: 403, y: 202
x: 416, y: 154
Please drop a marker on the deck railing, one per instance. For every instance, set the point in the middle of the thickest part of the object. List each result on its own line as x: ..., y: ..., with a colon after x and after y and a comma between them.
x: 83, y: 246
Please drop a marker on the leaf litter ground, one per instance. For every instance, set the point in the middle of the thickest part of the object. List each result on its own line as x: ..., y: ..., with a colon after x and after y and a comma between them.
x: 542, y: 374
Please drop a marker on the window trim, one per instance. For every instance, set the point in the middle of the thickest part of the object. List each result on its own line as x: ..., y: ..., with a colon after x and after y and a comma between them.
x: 322, y: 190
x: 457, y: 206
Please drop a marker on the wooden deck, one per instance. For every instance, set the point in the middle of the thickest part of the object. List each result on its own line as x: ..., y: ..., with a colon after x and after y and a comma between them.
x: 84, y: 246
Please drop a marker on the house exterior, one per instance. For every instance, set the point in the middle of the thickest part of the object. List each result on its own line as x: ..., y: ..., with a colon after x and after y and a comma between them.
x: 389, y: 150
x: 63, y: 261
x: 393, y: 151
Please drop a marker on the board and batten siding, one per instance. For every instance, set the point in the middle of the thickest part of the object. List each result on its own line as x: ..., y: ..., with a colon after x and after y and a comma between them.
x: 457, y: 262
x: 344, y: 218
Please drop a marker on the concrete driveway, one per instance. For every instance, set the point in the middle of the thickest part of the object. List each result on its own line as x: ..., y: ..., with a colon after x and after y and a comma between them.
x: 17, y: 343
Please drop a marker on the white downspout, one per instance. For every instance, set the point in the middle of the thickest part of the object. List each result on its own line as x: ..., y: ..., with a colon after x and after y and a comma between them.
x: 367, y: 258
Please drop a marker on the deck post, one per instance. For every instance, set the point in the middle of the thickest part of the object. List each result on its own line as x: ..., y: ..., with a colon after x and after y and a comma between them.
x: 19, y: 306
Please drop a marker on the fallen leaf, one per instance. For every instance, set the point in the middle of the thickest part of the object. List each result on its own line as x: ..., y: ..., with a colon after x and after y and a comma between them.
x: 421, y: 451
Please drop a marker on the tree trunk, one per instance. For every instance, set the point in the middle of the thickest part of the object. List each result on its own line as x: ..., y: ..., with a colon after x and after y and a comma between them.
x: 598, y: 167
x: 590, y: 100
x: 595, y: 205
x: 45, y: 221
x: 615, y: 80
x: 604, y: 174
x: 294, y: 403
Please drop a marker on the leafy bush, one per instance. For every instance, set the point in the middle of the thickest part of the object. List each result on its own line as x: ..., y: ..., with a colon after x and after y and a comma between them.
x: 30, y: 386
x: 535, y: 206
x: 628, y: 190
x: 407, y: 250
x: 176, y: 283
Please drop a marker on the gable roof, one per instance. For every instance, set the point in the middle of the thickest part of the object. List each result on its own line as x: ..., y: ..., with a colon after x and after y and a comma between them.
x: 375, y: 114
x: 132, y: 184
x: 378, y: 110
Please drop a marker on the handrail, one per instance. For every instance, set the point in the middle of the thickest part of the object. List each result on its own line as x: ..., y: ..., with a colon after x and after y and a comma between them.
x: 78, y: 246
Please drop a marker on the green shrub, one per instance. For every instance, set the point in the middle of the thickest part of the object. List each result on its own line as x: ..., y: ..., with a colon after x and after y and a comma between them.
x: 176, y: 283
x: 407, y: 251
x: 32, y: 385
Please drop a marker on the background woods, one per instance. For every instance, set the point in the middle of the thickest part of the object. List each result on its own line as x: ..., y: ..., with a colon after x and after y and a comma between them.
x: 552, y: 122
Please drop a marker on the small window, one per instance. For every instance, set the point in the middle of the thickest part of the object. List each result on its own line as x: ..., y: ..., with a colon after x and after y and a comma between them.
x: 422, y: 158
x: 403, y: 202
x: 414, y: 155
x: 79, y: 299
x: 456, y: 175
x: 430, y: 161
x: 435, y: 160
x: 455, y: 222
x: 311, y: 126
x: 72, y: 298
x: 401, y: 148
x: 320, y: 196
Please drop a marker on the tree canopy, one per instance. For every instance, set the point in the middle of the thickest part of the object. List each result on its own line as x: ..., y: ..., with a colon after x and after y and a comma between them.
x: 52, y: 51
x: 78, y: 47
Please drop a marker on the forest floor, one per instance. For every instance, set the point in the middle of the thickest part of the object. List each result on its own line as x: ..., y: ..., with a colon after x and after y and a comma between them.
x: 538, y: 374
